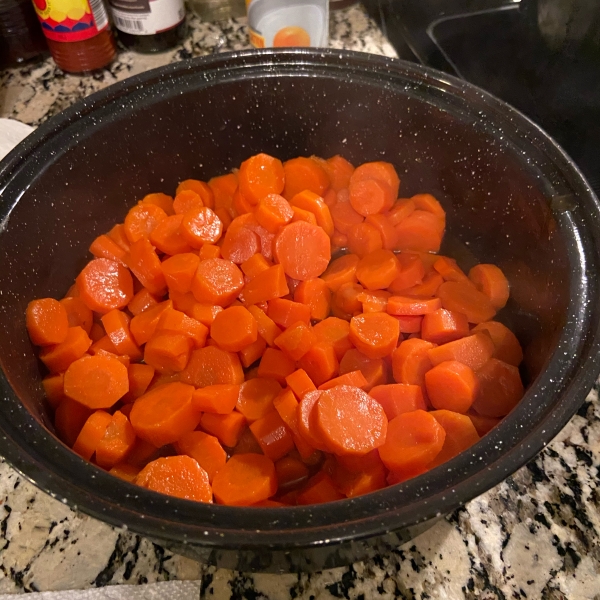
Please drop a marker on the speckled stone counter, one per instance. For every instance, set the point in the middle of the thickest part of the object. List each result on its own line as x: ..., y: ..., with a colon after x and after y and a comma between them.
x: 537, y: 535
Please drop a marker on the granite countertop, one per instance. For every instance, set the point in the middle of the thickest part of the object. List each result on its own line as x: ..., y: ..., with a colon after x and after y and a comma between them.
x: 536, y: 535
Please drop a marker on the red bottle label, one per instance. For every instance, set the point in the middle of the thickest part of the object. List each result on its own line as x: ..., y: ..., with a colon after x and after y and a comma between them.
x: 71, y: 20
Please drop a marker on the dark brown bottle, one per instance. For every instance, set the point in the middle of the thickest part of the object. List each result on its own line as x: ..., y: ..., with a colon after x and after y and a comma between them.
x: 21, y: 37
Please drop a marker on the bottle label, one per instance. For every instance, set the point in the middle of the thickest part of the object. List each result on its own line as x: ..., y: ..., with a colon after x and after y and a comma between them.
x: 146, y: 17
x: 71, y: 20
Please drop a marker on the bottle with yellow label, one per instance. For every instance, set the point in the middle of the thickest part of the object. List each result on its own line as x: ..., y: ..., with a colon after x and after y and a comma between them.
x: 78, y: 33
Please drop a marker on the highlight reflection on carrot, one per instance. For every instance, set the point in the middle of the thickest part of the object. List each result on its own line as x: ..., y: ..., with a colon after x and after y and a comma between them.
x: 291, y: 36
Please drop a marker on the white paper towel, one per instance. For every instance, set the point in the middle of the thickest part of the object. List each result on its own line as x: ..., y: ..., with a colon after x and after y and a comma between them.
x: 11, y: 133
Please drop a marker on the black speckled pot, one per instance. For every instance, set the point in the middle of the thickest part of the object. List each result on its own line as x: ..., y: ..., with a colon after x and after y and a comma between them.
x: 512, y: 197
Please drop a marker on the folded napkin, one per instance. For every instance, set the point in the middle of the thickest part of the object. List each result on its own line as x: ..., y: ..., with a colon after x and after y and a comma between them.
x: 11, y: 133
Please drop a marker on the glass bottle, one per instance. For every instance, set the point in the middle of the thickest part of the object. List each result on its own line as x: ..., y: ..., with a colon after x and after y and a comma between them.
x: 78, y: 33
x: 21, y: 38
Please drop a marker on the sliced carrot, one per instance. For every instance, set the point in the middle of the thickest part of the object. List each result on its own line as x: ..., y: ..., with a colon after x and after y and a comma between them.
x: 140, y: 377
x: 315, y: 294
x: 241, y: 205
x: 450, y: 271
x: 54, y: 388
x: 411, y: 273
x: 145, y: 265
x: 370, y: 196
x: 255, y: 265
x: 465, y: 298
x: 374, y: 334
x: 201, y: 226
x: 209, y: 251
x: 429, y: 286
x: 345, y: 303
x: 234, y: 329
x: 410, y: 361
x: 179, y: 476
x: 483, y: 424
x: 247, y: 444
x: 287, y: 312
x: 117, y: 235
x: 220, y: 399
x: 303, y: 250
x: 291, y: 472
x: 339, y: 171
x: 300, y: 383
x: 377, y: 270
x: 359, y: 482
x: 117, y: 442
x: 144, y: 325
x: 389, y: 236
x: 474, y: 351
x: 186, y: 200
x: 58, y: 358
x: 142, y: 452
x: 244, y: 480
x: 306, y: 420
x: 223, y: 187
x: 167, y: 236
x: 204, y: 313
x: 96, y: 332
x: 260, y: 176
x: 363, y: 239
x: 267, y: 328
x: 319, y: 489
x: 374, y: 370
x: 183, y: 302
x: 320, y: 362
x: 212, y: 366
x: 430, y: 204
x: 460, y: 434
x: 353, y: 378
x: 165, y: 414
x: 398, y: 398
x: 413, y: 441
x: 250, y: 354
x: 273, y: 435
x: 168, y: 352
x: 303, y: 215
x: 123, y: 359
x: 205, y: 449
x: 141, y: 220
x: 340, y: 271
x: 500, y: 388
x: 47, y: 321
x: 202, y: 189
x: 177, y: 322
x: 506, y: 344
x: 286, y: 405
x: 239, y: 244
x: 125, y: 472
x: 304, y: 174
x: 451, y: 385
x: 335, y: 332
x: 296, y: 340
x: 142, y: 301
x: 267, y: 285
x: 96, y: 381
x: 116, y: 325
x: 315, y: 204
x: 273, y: 211
x: 105, y: 284
x: 400, y: 210
x: 69, y: 418
x: 105, y: 247
x: 91, y: 433
x: 276, y: 365
x: 491, y: 281
x: 420, y: 230
x: 442, y: 326
x: 103, y: 345
x: 164, y: 201
x: 228, y: 429
x: 179, y: 271
x: 378, y: 171
x: 412, y: 305
x: 345, y: 217
x: 217, y: 281
x: 256, y: 397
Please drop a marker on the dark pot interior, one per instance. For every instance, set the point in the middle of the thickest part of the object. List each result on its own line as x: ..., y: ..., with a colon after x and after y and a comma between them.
x: 512, y: 196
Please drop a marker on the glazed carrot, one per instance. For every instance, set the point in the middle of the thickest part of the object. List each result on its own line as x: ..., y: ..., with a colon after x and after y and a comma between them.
x: 340, y: 271
x: 491, y: 281
x: 296, y: 340
x: 179, y: 476
x: 54, y: 388
x: 223, y: 188
x: 377, y: 270
x: 204, y: 313
x: 287, y: 312
x: 255, y: 265
x: 179, y: 271
x: 205, y: 449
x: 460, y: 434
x: 164, y: 201
x: 359, y: 482
x: 449, y: 270
x: 202, y: 189
x: 306, y: 420
x: 220, y: 399
x: 483, y: 424
x: 241, y: 205
x: 273, y: 435
x: 123, y: 359
x: 410, y: 361
x: 91, y: 434
x: 116, y: 443
x: 267, y: 285
x: 370, y: 196
x: 250, y: 354
x: 286, y: 405
x: 411, y: 273
x: 290, y: 472
x: 141, y: 302
x: 217, y: 281
x: 315, y: 204
x: 140, y: 377
x: 165, y: 414
x: 116, y: 325
x: 389, y: 236
x: 168, y: 352
x: 500, y: 388
x: 400, y: 210
x: 319, y: 489
x: 363, y: 239
x: 96, y: 381
x: 506, y: 344
x: 177, y: 322
x: 345, y: 217
x: 117, y: 235
x: 412, y: 305
x: 260, y: 176
x: 201, y: 226
x: 247, y: 444
x: 228, y: 429
x: 212, y: 366
x: 125, y: 472
x: 442, y: 326
x: 413, y: 441
x: 168, y: 237
x: 244, y: 480
x: 353, y: 378
x: 145, y: 265
x: 183, y: 302
x: 320, y: 362
x: 378, y: 171
x: 303, y: 250
x: 142, y: 452
x: 398, y: 398
x: 339, y: 171
x: 304, y: 174
x: 451, y: 385
x: 430, y: 204
x: 276, y: 365
x: 267, y: 328
x: 429, y: 286
x: 105, y: 247
x: 345, y: 303
x: 141, y: 220
x: 300, y: 383
x: 47, y: 321
x: 234, y: 329
x: 303, y: 215
x: 103, y: 345
x: 58, y: 358
x: 105, y: 284
x: 465, y: 298
x: 69, y: 418
x: 273, y: 211
x: 186, y: 200
x: 315, y: 294
x: 474, y: 351
x: 209, y: 251
x: 374, y: 370
x: 144, y: 325
x: 409, y: 324
x: 78, y: 314
x: 335, y: 332
x: 374, y: 334
x: 421, y: 230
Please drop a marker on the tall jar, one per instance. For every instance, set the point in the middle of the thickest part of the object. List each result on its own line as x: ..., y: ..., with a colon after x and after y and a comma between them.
x: 21, y: 37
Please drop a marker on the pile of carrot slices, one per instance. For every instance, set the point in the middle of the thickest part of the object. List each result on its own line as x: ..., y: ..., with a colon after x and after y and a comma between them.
x: 284, y: 334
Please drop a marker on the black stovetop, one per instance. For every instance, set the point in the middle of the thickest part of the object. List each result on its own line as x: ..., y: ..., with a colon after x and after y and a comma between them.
x: 492, y: 44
